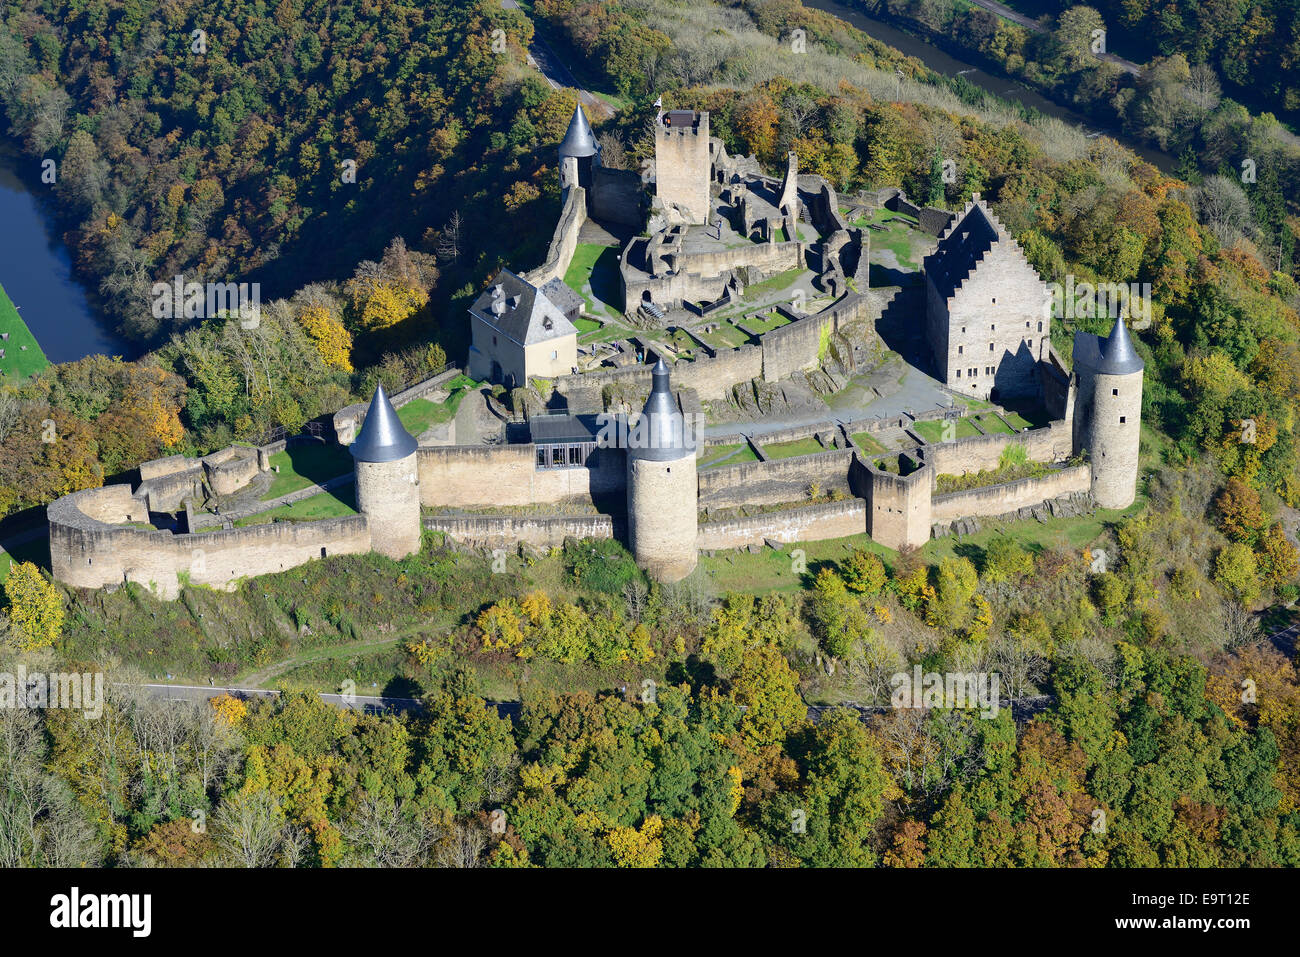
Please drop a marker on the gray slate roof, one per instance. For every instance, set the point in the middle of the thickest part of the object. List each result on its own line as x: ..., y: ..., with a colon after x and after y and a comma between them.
x: 1118, y: 356
x: 664, y: 436
x: 525, y: 314
x: 383, y: 438
x: 959, y: 252
x: 564, y: 298
x: 579, y: 140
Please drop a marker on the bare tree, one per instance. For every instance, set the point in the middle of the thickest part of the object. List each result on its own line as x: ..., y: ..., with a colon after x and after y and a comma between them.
x: 1221, y: 204
x: 1239, y: 625
x: 382, y: 835
x: 462, y: 845
x: 249, y: 829
x: 612, y: 153
x: 449, y: 239
x: 1202, y: 89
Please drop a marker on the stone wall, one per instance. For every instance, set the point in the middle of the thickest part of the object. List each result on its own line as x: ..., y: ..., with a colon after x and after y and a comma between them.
x: 347, y: 420
x: 683, y: 167
x: 796, y: 346
x: 1052, y: 443
x: 774, y: 481
x: 496, y: 531
x: 88, y: 552
x: 616, y: 196
x: 710, y: 378
x: 461, y: 476
x: 1009, y: 496
x: 809, y: 523
x: 564, y: 241
x: 898, y: 505
x: 662, y: 515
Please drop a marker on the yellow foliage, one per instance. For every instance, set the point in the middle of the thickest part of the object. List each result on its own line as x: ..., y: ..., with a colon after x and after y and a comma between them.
x: 35, y: 607
x: 332, y: 340
x: 379, y: 305
x: 634, y: 847
x: 229, y: 711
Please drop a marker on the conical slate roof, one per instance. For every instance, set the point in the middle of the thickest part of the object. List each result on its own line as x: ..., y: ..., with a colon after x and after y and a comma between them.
x: 662, y: 437
x: 383, y: 438
x: 1118, y: 357
x: 579, y: 140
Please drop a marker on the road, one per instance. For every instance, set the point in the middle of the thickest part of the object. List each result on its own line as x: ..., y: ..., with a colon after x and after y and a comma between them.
x: 548, y: 63
x: 1006, y: 13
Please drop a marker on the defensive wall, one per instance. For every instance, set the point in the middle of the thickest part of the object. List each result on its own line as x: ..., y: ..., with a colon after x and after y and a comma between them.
x: 808, y: 523
x: 470, y: 476
x: 1009, y: 496
x: 497, y: 531
x: 564, y: 241
x: 88, y: 551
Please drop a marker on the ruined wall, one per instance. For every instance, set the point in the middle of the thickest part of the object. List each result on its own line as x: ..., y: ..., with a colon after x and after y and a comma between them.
x: 774, y: 481
x: 711, y: 378
x: 347, y: 420
x: 809, y: 523
x: 1052, y: 443
x: 683, y: 167
x: 898, y: 506
x: 87, y: 552
x: 616, y: 196
x: 506, y: 531
x: 1000, y: 499
x: 797, y: 345
x: 564, y: 241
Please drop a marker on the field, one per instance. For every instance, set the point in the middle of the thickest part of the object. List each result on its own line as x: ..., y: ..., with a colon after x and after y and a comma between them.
x: 733, y: 454
x: 766, y: 323
x: 334, y: 504
x: 305, y: 465
x: 596, y: 266
x: 867, y: 443
x: 788, y: 450
x: 18, y: 363
x: 933, y: 431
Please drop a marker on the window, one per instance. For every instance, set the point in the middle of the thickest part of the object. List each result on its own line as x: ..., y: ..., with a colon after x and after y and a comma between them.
x: 555, y: 354
x: 1040, y: 327
x: 1114, y: 391
x: 958, y: 373
x: 963, y: 328
x: 990, y: 347
x: 995, y: 300
x: 494, y: 340
x: 1123, y: 419
x: 1026, y: 323
x: 992, y: 326
x: 541, y: 457
x: 959, y: 348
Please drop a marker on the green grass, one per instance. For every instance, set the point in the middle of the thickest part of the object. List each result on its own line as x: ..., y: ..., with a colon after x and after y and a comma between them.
x: 420, y: 414
x: 992, y: 425
x: 597, y: 266
x: 733, y: 454
x: 773, y: 283
x: 933, y: 430
x: 305, y: 465
x: 18, y: 364
x: 788, y: 450
x: 336, y: 504
x: 585, y: 326
x: 767, y: 323
x: 727, y: 336
x: 867, y: 443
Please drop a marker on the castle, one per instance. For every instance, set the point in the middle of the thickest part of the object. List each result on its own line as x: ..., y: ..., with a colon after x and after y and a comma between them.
x: 716, y: 229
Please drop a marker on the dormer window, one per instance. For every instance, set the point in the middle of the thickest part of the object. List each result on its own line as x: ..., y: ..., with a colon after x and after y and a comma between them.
x: 548, y: 324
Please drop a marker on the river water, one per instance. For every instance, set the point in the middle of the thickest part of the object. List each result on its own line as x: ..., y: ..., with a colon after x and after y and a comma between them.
x: 36, y: 272
x: 943, y: 62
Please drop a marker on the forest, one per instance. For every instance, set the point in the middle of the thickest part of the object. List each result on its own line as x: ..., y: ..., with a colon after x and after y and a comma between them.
x: 1152, y: 722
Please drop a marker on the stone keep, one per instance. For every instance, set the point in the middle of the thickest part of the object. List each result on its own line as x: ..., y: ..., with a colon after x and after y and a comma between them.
x: 388, y: 483
x: 1108, y: 424
x: 682, y: 163
x: 662, y: 486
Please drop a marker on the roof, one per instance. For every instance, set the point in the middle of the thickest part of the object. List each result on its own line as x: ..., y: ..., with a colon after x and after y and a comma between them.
x: 579, y: 140
x: 1118, y: 357
x: 1114, y: 355
x: 383, y: 438
x: 662, y: 438
x: 960, y: 250
x: 564, y: 298
x: 562, y: 427
x: 520, y: 311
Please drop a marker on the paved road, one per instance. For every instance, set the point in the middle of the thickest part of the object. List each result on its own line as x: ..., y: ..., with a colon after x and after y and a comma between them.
x: 1006, y: 13
x: 371, y: 703
x: 548, y: 63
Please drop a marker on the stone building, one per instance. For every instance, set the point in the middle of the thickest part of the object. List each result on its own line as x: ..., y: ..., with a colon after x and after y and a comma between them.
x: 1108, y: 413
x: 683, y: 165
x: 988, y: 313
x: 517, y: 332
x: 662, y: 485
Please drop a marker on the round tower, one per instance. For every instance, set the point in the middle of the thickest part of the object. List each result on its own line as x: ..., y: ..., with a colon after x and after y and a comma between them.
x: 578, y: 152
x: 388, y: 480
x: 1115, y: 419
x: 662, y: 487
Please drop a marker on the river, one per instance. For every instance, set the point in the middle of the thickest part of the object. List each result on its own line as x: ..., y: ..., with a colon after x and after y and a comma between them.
x: 940, y: 61
x: 36, y: 272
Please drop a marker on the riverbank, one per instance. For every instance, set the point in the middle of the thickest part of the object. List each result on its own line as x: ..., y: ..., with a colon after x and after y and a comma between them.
x: 21, y: 355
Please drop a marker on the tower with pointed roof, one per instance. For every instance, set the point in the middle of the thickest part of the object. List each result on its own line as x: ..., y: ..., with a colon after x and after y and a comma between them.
x: 579, y: 152
x: 388, y: 479
x: 1108, y: 413
x: 662, y: 485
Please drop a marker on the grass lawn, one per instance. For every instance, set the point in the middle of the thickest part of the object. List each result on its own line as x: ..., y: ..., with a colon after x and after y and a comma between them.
x: 419, y: 414
x: 342, y: 501
x: 597, y: 266
x: 932, y: 430
x: 18, y: 363
x: 788, y: 450
x: 606, y: 333
x: 772, y: 284
x: 1018, y: 421
x: 766, y: 323
x: 585, y: 326
x: 991, y: 424
x: 305, y: 465
x: 733, y: 454
x: 727, y: 336
x: 867, y: 443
